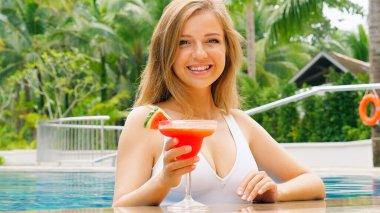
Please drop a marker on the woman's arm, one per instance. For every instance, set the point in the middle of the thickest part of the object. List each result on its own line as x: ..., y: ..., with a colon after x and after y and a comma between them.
x: 133, y: 185
x: 297, y: 182
x: 306, y: 186
x: 135, y: 158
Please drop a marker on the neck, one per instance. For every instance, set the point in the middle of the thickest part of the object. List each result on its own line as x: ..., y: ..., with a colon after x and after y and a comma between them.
x: 202, y: 105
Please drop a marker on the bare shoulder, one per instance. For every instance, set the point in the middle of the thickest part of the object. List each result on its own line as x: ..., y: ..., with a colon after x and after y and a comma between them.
x: 134, y: 126
x: 250, y: 128
x: 242, y: 118
x: 138, y: 115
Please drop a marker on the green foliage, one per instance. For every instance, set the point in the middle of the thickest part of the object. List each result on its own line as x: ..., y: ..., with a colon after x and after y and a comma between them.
x: 358, y: 43
x: 311, y: 120
x: 319, y: 118
x: 293, y: 15
x: 288, y: 116
x: 110, y: 108
x: 345, y: 6
x: 84, y: 57
x: 333, y: 116
x: 279, y: 122
x: 61, y: 80
x: 2, y: 161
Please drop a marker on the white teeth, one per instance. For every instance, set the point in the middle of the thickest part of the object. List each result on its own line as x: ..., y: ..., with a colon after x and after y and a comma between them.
x: 202, y: 68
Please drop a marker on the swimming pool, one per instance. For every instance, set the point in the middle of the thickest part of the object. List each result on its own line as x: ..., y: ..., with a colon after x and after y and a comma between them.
x: 73, y: 190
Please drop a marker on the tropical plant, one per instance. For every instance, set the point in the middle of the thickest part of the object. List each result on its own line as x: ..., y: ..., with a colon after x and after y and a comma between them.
x: 358, y: 43
x: 68, y: 80
x: 269, y: 59
x: 53, y: 54
x: 2, y: 161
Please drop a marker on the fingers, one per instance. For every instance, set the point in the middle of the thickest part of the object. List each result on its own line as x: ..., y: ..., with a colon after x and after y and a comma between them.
x: 172, y: 154
x: 251, y: 187
x: 257, y: 189
x: 182, y: 170
x: 247, y: 209
x: 175, y: 166
x: 255, y: 183
x: 170, y: 143
x: 181, y: 163
x: 245, y: 182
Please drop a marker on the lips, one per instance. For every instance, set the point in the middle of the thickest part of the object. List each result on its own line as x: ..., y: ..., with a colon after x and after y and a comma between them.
x: 200, y: 69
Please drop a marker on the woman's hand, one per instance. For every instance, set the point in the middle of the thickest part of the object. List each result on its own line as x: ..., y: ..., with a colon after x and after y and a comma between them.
x: 258, y: 186
x: 174, y: 169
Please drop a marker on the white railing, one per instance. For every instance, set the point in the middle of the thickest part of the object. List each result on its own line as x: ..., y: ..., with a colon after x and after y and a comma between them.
x: 87, y: 139
x: 310, y: 92
x: 76, y: 140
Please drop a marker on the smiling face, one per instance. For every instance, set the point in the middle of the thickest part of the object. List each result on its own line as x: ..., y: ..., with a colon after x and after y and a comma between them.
x: 200, y: 58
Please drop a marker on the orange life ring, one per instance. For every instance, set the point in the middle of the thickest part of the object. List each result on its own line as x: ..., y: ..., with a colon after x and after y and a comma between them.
x: 369, y: 121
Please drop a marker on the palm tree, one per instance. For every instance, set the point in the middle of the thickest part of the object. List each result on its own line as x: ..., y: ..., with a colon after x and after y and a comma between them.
x: 23, y: 25
x: 267, y: 57
x: 358, y: 44
x: 251, y: 47
x: 374, y: 58
x: 106, y: 30
x: 286, y: 18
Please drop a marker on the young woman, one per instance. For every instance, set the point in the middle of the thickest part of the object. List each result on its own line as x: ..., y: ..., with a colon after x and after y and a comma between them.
x: 195, y: 54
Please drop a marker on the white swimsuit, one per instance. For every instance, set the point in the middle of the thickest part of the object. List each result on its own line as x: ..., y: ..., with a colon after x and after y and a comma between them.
x: 206, y: 186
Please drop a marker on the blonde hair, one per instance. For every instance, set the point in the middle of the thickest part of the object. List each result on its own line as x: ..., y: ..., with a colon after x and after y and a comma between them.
x: 158, y: 81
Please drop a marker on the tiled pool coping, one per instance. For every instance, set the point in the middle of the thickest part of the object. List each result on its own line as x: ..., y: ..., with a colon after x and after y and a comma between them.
x: 322, y: 171
x: 362, y: 204
x: 55, y: 169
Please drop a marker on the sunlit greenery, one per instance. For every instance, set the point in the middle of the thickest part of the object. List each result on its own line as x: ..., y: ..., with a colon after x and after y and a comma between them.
x: 84, y: 57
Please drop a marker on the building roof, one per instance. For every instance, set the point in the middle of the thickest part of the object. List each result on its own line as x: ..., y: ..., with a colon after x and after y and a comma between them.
x: 313, y: 73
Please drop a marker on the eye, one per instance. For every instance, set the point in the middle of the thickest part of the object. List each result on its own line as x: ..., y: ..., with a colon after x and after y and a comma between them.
x: 183, y: 42
x: 213, y: 41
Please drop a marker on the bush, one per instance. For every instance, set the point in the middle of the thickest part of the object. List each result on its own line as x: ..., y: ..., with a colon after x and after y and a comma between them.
x: 2, y: 161
x: 319, y: 118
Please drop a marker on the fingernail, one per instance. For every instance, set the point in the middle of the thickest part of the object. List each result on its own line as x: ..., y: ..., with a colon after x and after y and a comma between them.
x: 188, y: 148
x: 244, y: 197
x: 260, y: 191
x: 250, y: 198
x: 239, y: 192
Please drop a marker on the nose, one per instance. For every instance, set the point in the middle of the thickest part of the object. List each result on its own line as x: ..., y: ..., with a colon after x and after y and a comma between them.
x: 199, y: 52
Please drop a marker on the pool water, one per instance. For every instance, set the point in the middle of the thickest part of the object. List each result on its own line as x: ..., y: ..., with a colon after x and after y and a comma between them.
x: 43, y: 191
x: 351, y: 186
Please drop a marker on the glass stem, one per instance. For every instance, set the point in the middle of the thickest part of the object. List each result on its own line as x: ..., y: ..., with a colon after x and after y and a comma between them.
x: 188, y: 186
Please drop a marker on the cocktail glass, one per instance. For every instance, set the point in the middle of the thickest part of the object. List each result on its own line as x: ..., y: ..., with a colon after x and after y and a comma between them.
x: 188, y: 132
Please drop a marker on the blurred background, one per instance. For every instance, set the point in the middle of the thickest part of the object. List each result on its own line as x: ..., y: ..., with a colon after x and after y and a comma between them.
x: 64, y: 58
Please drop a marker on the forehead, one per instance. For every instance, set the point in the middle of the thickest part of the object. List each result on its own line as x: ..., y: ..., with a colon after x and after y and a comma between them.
x: 203, y: 21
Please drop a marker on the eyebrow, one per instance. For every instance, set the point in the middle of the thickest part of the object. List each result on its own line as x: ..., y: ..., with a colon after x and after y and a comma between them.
x: 208, y: 34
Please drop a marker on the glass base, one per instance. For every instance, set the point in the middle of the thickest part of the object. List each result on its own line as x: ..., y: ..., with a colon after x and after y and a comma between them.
x: 188, y: 205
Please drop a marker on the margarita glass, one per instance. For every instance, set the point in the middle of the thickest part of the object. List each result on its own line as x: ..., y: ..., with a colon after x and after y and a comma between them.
x: 191, y: 133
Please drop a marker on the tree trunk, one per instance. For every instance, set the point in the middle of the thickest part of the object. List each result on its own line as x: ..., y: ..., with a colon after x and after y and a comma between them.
x: 41, y: 103
x: 374, y: 59
x: 251, y: 48
x: 103, y: 78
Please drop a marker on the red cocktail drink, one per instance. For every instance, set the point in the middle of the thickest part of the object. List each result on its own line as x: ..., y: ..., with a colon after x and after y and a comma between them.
x: 188, y: 136
x: 188, y: 132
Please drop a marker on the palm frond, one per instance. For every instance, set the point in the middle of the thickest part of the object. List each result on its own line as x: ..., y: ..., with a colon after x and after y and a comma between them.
x: 292, y: 16
x: 283, y: 69
x: 265, y: 78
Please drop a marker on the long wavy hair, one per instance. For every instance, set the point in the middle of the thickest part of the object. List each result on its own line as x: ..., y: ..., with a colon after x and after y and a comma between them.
x: 158, y: 80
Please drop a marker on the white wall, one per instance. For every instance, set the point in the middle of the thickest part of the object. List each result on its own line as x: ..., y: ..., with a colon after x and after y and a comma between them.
x: 19, y: 157
x: 356, y: 154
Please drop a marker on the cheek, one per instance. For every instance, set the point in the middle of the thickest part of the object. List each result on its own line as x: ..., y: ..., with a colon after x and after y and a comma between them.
x: 181, y: 58
x: 220, y: 56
